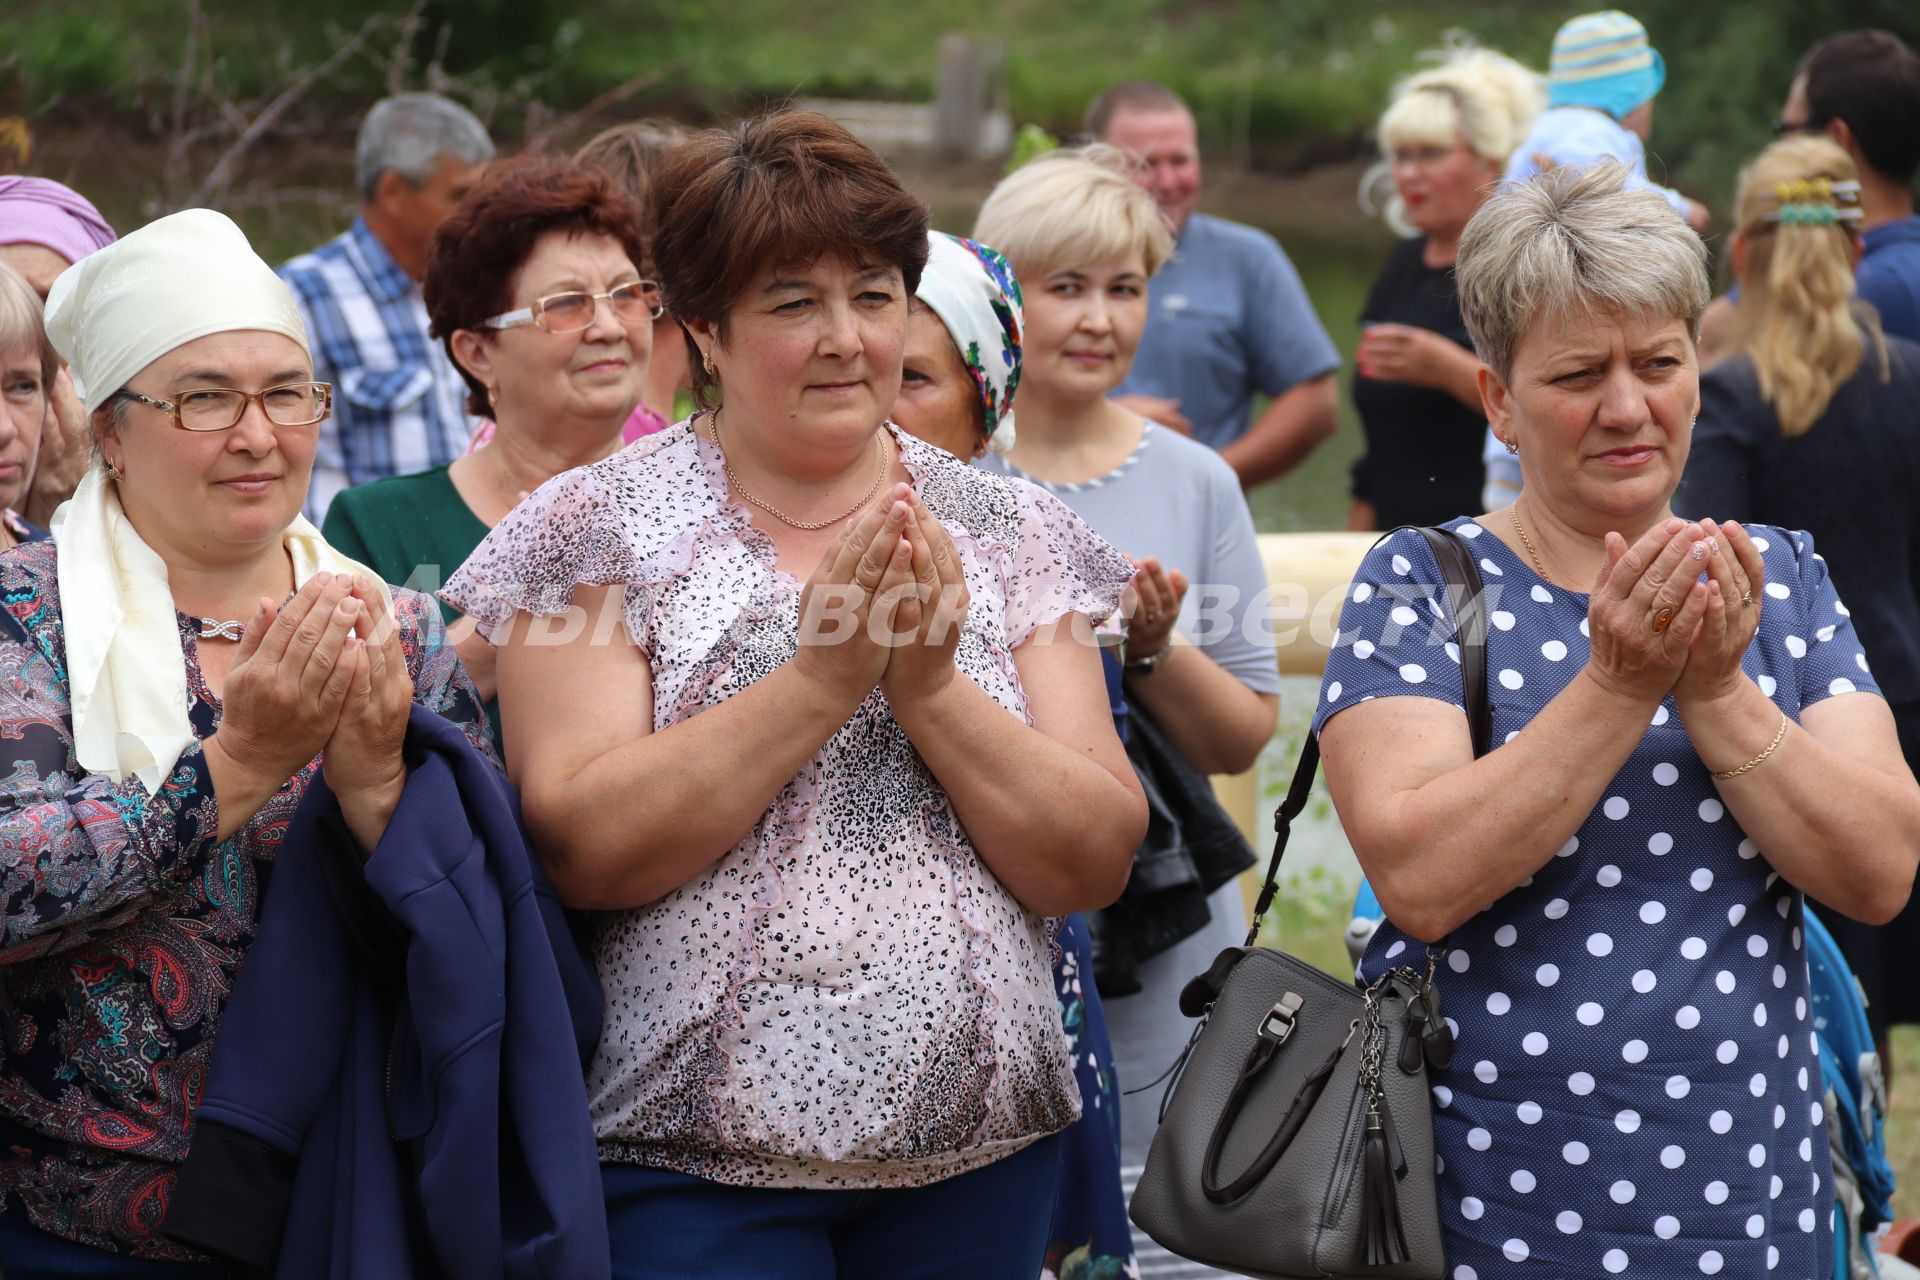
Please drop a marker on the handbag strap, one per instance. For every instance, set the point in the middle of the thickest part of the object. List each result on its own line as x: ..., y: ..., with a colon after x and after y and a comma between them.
x: 1467, y: 596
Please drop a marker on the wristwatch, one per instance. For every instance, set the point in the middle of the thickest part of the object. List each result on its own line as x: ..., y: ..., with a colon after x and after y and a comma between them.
x: 1145, y: 665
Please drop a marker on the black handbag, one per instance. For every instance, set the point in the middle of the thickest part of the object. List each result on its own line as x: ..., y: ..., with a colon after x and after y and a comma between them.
x: 1296, y: 1137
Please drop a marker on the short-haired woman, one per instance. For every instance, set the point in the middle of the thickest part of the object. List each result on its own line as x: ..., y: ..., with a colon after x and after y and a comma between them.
x: 535, y: 287
x: 1446, y: 138
x: 809, y: 712
x: 1810, y: 424
x: 1687, y: 741
x: 1084, y: 239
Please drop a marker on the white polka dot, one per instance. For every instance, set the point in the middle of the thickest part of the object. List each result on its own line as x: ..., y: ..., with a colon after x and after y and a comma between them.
x: 1402, y: 565
x: 1666, y: 1226
x: 1678, y: 1087
x: 1522, y: 1181
x: 1760, y: 1015
x: 1839, y: 685
x: 1756, y: 946
x: 1485, y: 1072
x: 1795, y: 646
x: 1645, y: 981
x: 1470, y: 530
x: 1727, y: 1052
x: 1575, y: 1153
x: 1396, y: 949
x: 1761, y: 545
x: 1806, y: 1220
x: 1773, y: 1192
x: 1815, y: 1112
x: 1634, y: 1051
x: 1534, y: 1043
x: 1779, y: 975
x: 1711, y: 1262
x: 1701, y: 880
x: 1555, y: 909
x: 1773, y: 1258
x: 1529, y: 1112
x: 1758, y: 1085
x: 1511, y: 679
x: 1659, y: 716
x: 1767, y: 685
x: 1615, y: 1261
x: 1659, y: 844
x: 1541, y: 595
x: 1553, y: 651
x: 1363, y: 649
x: 1616, y: 807
x: 1442, y: 1096
x: 1653, y: 912
x: 1721, y: 1122
x: 1402, y: 616
x: 1584, y: 630
x: 1458, y: 961
x: 1580, y: 1084
x: 1568, y: 849
x: 1736, y: 913
x: 1362, y: 592
x: 1590, y: 1014
x: 1687, y: 1017
x: 1334, y: 690
x: 1665, y: 774
x: 1506, y: 935
x: 1479, y: 1139
x: 1569, y: 1222
x: 1627, y: 1121
x: 1756, y: 1226
x: 1860, y: 660
x: 1806, y: 1148
x: 1599, y: 945
x: 1757, y: 1155
x: 1515, y: 1250
x: 1800, y: 1008
x: 1547, y: 974
x: 1712, y: 811
x: 1453, y: 652
x: 1716, y: 1192
x: 1498, y: 1003
x: 1471, y: 1209
x: 1622, y: 1192
x: 1501, y: 619
x: 1779, y: 591
x: 1693, y: 948
x: 1725, y: 981
x: 1673, y: 1156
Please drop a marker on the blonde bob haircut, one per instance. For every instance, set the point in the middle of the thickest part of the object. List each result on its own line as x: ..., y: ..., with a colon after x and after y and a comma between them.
x: 23, y: 325
x: 1797, y: 318
x: 1571, y: 243
x: 1475, y: 95
x: 1072, y: 208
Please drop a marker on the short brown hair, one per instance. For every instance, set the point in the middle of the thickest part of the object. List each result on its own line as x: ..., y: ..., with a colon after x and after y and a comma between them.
x: 1133, y: 95
x: 1870, y: 79
x: 630, y: 154
x: 783, y: 188
x: 492, y: 231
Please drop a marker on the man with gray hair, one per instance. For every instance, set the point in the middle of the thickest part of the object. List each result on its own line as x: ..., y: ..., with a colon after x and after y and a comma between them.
x: 398, y: 401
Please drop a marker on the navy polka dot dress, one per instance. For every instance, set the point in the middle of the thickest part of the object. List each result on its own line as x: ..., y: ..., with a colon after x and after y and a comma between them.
x: 1636, y: 1087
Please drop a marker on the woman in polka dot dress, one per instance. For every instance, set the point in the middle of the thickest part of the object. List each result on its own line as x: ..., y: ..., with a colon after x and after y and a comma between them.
x: 1688, y: 739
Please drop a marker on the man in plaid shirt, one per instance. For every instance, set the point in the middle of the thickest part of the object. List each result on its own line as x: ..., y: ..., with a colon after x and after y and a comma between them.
x: 399, y: 404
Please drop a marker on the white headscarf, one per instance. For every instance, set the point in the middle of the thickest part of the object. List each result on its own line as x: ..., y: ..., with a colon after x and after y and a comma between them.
x: 972, y: 288
x: 111, y: 315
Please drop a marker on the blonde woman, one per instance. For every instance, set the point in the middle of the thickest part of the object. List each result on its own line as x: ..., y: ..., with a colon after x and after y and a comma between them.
x: 1810, y: 424
x: 1445, y: 140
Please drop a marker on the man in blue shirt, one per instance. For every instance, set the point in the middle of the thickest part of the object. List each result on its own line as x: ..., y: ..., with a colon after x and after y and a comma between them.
x: 1862, y: 89
x: 1229, y: 317
x: 399, y: 405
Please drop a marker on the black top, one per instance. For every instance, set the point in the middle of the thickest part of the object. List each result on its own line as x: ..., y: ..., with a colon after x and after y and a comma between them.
x: 1850, y: 481
x: 1422, y: 464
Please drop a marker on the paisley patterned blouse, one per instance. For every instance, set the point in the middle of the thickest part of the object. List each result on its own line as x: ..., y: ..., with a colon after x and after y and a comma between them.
x: 848, y: 998
x: 125, y: 925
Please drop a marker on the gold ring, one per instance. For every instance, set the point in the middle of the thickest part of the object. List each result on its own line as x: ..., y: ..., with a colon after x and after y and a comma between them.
x: 1746, y: 599
x: 1662, y: 619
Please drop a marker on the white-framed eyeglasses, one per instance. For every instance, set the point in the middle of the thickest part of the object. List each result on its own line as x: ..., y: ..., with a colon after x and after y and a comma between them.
x: 632, y: 303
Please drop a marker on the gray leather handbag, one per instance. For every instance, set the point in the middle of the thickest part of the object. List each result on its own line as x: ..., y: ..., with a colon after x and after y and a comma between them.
x: 1296, y: 1138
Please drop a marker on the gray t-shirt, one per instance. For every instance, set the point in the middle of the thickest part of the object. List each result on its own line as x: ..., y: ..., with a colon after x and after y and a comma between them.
x: 1227, y: 318
x: 1177, y: 501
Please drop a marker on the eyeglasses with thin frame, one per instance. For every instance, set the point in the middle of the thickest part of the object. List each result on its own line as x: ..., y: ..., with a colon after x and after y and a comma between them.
x: 291, y: 404
x: 1788, y: 128
x: 632, y: 303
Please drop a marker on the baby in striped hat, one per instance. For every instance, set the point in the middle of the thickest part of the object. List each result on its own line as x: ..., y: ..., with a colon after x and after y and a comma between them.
x: 1600, y: 94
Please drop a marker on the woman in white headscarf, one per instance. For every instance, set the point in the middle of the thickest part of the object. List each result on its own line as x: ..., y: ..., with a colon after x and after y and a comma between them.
x: 174, y: 667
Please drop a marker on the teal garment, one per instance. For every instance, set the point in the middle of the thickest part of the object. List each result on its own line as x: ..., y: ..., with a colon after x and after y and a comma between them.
x: 413, y: 531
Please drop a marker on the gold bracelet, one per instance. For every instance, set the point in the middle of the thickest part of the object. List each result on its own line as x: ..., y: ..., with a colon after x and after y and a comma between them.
x: 1778, y: 736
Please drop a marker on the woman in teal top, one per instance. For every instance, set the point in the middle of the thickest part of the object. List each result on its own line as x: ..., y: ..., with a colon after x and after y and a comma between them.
x: 532, y: 284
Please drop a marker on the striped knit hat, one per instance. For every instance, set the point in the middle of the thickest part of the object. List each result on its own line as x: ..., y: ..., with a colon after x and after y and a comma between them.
x: 1602, y: 60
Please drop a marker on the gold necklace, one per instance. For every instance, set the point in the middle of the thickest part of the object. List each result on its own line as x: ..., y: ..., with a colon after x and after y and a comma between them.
x: 1514, y: 513
x: 733, y: 481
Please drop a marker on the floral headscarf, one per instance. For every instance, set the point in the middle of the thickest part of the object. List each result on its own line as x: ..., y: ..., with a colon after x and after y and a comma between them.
x: 972, y: 288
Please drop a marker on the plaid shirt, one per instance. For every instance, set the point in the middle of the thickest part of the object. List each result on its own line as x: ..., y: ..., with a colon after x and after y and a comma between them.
x: 399, y: 404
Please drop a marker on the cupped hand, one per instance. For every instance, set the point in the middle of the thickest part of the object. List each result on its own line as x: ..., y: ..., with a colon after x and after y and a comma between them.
x: 928, y: 613
x: 1151, y: 605
x: 1404, y: 353
x: 1737, y: 579
x: 843, y: 627
x: 1646, y: 609
x: 362, y: 756
x: 66, y: 447
x: 289, y: 679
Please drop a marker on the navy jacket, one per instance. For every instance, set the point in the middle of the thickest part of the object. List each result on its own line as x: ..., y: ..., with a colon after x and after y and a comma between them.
x: 396, y: 1089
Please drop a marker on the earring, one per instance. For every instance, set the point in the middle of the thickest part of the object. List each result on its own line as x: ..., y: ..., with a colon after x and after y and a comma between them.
x: 113, y: 472
x: 706, y: 362
x: 1511, y: 447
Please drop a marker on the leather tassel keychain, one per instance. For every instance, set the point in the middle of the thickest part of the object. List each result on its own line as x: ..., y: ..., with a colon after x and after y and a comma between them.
x: 1385, y: 1240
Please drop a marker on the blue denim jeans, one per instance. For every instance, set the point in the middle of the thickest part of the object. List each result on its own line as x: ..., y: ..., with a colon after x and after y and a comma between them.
x: 990, y: 1224
x: 28, y: 1253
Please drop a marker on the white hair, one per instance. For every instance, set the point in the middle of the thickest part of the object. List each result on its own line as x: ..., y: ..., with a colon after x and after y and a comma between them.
x: 409, y: 132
